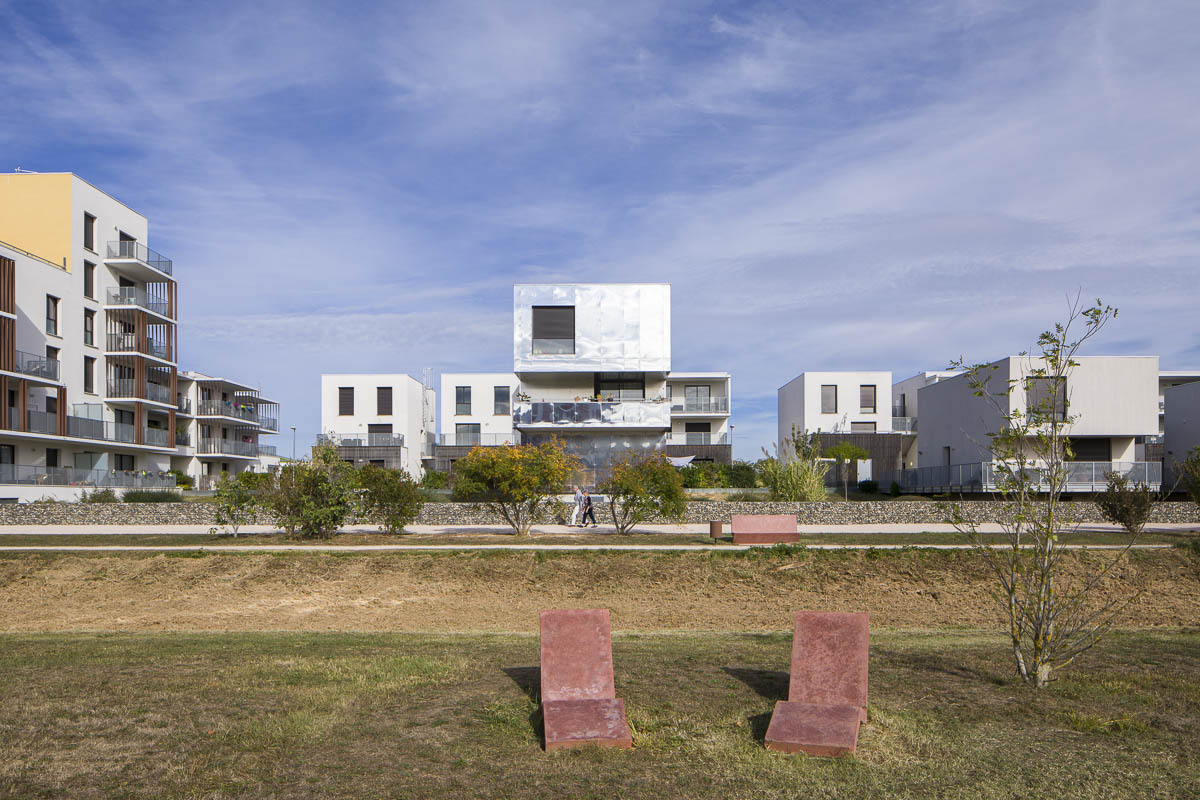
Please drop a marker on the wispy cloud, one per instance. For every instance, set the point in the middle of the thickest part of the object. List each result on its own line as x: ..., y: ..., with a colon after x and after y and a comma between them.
x: 840, y: 186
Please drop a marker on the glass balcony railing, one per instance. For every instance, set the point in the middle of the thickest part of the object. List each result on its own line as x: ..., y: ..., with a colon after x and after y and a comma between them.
x: 1077, y: 476
x: 627, y: 413
x: 477, y: 439
x: 20, y: 474
x: 37, y: 366
x: 136, y: 251
x: 158, y: 392
x: 156, y: 437
x: 362, y: 439
x: 230, y: 447
x: 135, y: 296
x: 904, y: 424
x: 183, y: 439
x: 228, y: 409
x: 700, y: 405
x: 698, y: 438
x: 127, y: 343
x: 267, y: 450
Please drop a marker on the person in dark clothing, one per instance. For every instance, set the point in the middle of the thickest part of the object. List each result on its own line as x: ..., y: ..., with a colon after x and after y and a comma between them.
x: 588, y: 510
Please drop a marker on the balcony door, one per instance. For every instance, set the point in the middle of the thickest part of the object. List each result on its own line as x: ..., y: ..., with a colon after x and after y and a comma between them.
x: 467, y: 433
x: 698, y: 432
x: 696, y: 398
x: 618, y: 386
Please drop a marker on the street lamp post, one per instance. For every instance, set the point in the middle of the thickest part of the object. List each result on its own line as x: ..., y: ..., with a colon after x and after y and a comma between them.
x: 293, y: 442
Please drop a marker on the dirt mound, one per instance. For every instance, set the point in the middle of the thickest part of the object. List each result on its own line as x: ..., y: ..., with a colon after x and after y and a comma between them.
x: 504, y: 591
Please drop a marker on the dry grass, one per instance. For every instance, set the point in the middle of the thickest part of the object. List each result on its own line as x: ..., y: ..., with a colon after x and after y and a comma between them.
x: 410, y: 715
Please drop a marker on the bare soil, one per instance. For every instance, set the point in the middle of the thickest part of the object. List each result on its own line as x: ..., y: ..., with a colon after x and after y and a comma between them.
x: 503, y: 591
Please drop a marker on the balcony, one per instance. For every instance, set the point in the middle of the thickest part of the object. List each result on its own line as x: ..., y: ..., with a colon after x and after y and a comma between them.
x: 700, y: 405
x: 592, y: 414
x: 183, y: 439
x: 904, y: 424
x: 36, y: 366
x: 229, y: 447
x: 477, y: 439
x: 127, y: 296
x: 127, y: 343
x: 268, y: 450
x: 19, y: 474
x: 1080, y: 476
x: 126, y: 388
x: 362, y: 439
x: 227, y: 409
x: 157, y: 437
x: 696, y: 439
x: 140, y: 253
x: 184, y: 405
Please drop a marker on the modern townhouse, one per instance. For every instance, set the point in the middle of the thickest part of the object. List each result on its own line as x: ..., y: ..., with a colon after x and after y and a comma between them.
x: 1114, y: 400
x: 1182, y: 420
x: 219, y: 425
x: 591, y: 368
x: 381, y: 419
x: 88, y: 342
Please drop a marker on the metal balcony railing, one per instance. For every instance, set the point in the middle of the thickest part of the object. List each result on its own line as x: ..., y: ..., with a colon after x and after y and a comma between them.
x: 227, y: 447
x: 697, y: 438
x: 127, y: 343
x: 41, y: 422
x: 1078, y: 476
x: 20, y: 474
x: 183, y: 439
x: 362, y: 439
x: 268, y: 423
x: 228, y: 409
x: 904, y: 424
x: 626, y: 413
x: 156, y: 437
x: 267, y: 450
x: 136, y: 296
x: 137, y: 251
x: 37, y: 366
x: 698, y: 405
x: 477, y: 439
x: 184, y: 405
x: 158, y: 392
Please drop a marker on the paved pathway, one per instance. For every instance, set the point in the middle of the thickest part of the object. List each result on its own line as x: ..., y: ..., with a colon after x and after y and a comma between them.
x: 366, y: 548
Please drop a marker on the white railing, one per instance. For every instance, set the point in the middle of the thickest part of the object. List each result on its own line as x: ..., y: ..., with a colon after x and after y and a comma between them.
x: 698, y: 438
x: 689, y: 405
x: 136, y: 251
x: 136, y: 296
x: 1079, y: 476
x: 632, y: 413
x: 362, y: 439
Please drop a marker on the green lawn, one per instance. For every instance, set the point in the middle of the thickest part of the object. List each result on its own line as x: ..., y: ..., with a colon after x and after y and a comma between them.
x: 428, y: 716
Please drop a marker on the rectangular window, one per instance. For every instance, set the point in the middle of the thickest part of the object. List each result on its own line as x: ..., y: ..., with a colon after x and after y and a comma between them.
x: 501, y: 400
x: 345, y: 401
x: 52, y: 315
x: 383, y: 401
x: 467, y: 434
x: 1046, y: 399
x: 697, y: 398
x: 462, y: 400
x: 553, y: 330
x: 89, y: 375
x: 89, y: 232
x: 89, y: 326
x: 123, y: 462
x: 866, y: 399
x: 620, y: 385
x: 51, y: 353
x: 829, y: 399
x: 89, y: 280
x: 862, y: 427
x: 51, y: 457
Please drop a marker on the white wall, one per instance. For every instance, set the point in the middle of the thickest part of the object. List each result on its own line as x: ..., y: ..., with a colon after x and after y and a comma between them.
x: 495, y: 428
x: 909, y: 388
x: 799, y: 402
x: 409, y: 416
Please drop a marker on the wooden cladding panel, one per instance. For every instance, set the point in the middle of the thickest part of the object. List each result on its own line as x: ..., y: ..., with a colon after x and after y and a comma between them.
x: 8, y: 343
x: 61, y: 417
x: 8, y: 285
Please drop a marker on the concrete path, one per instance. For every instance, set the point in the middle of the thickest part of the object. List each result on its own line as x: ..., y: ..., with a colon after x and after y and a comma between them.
x: 366, y: 548
x: 543, y: 530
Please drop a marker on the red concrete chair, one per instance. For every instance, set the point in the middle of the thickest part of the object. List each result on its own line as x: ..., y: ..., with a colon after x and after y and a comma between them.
x: 579, y: 703
x: 827, y: 692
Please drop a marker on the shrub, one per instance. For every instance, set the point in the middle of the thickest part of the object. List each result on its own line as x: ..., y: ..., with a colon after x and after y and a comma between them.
x: 98, y: 496
x: 894, y: 490
x: 182, y: 479
x: 868, y: 487
x: 843, y: 453
x: 795, y: 481
x: 738, y: 475
x: 312, y: 499
x: 640, y: 487
x: 1189, y: 474
x: 391, y: 498
x: 150, y: 496
x: 1127, y: 504
x: 701, y: 475
x: 517, y: 483
x: 435, y: 480
x: 237, y: 497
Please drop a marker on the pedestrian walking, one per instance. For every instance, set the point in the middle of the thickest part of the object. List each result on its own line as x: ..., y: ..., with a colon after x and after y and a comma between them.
x: 576, y: 508
x: 588, y: 510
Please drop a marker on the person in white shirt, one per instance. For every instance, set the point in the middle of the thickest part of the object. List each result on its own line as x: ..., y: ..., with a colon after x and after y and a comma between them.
x: 577, y: 508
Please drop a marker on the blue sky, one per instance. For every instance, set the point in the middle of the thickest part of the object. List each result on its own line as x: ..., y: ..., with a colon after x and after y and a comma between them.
x: 827, y: 185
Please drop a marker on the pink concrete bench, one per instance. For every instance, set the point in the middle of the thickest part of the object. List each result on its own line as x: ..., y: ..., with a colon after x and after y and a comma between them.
x: 827, y: 693
x: 579, y: 702
x: 763, y: 528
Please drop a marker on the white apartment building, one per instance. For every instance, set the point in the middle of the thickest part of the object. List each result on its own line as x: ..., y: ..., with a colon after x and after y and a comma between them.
x: 88, y: 343
x: 1114, y: 398
x: 219, y: 423
x: 1182, y: 404
x: 1167, y: 379
x: 591, y: 367
x: 836, y: 402
x: 904, y: 397
x: 382, y: 419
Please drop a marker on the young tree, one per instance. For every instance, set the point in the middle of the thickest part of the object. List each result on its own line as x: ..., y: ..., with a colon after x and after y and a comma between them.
x: 312, y: 499
x: 390, y: 497
x: 1125, y: 503
x: 643, y: 486
x: 237, y: 498
x: 517, y: 483
x: 844, y: 453
x: 1051, y: 620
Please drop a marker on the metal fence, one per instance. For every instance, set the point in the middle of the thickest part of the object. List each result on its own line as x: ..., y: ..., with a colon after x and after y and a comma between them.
x: 139, y: 252
x: 37, y: 366
x: 20, y: 474
x: 134, y: 296
x: 1079, y: 476
x: 642, y: 413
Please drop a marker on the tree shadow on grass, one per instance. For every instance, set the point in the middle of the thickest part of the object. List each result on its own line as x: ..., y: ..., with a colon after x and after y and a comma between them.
x: 529, y: 681
x: 771, y: 684
x: 938, y: 663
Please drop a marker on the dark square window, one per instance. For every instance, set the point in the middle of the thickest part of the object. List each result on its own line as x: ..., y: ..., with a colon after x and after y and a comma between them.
x: 553, y: 330
x: 462, y: 400
x: 829, y: 399
x: 346, y: 401
x: 501, y: 400
x: 383, y: 401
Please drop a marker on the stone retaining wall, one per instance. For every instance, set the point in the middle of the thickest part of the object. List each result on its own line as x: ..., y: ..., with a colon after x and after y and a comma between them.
x: 854, y: 513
